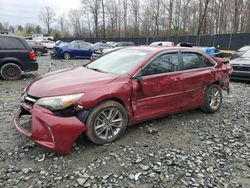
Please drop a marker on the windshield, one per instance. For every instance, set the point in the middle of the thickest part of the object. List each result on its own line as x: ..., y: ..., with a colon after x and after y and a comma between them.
x: 120, y: 62
x: 244, y: 48
x: 246, y: 54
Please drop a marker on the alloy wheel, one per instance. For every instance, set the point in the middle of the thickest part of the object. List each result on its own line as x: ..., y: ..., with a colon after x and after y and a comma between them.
x: 108, y: 123
x: 214, y: 98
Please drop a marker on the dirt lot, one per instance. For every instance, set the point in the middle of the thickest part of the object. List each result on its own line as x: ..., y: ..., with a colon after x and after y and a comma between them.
x: 190, y: 149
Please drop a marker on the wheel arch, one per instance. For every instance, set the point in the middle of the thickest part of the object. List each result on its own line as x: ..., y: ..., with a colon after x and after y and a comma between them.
x: 65, y: 51
x: 111, y: 98
x: 11, y: 60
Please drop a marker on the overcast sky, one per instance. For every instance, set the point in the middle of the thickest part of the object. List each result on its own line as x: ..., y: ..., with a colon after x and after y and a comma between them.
x: 19, y: 12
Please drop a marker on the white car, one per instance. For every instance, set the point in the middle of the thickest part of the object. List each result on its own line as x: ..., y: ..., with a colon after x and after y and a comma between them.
x: 37, y: 37
x: 48, y: 43
x: 162, y: 43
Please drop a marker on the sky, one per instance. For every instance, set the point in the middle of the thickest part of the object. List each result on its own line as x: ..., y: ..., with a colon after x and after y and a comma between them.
x: 19, y: 12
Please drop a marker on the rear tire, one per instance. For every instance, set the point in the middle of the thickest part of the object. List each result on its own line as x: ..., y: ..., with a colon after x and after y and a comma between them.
x: 213, y: 99
x: 11, y: 71
x: 38, y: 53
x: 66, y: 55
x: 106, y: 122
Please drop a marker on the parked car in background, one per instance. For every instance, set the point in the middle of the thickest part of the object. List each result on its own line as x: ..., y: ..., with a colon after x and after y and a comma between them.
x: 16, y: 56
x: 102, y: 45
x: 162, y: 43
x: 240, y: 51
x: 99, y: 53
x: 80, y: 41
x: 185, y: 44
x: 111, y: 42
x: 212, y: 51
x: 123, y: 43
x: 37, y: 37
x: 5, y: 32
x: 73, y: 50
x: 122, y: 88
x: 48, y: 43
x: 38, y: 47
x: 241, y: 67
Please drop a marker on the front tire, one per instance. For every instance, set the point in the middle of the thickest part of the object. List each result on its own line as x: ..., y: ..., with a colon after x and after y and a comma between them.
x: 106, y: 122
x: 66, y: 55
x: 213, y: 99
x: 11, y: 71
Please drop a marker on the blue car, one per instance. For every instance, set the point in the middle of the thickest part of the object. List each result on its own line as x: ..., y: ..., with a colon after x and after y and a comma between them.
x: 74, y: 49
x: 212, y: 51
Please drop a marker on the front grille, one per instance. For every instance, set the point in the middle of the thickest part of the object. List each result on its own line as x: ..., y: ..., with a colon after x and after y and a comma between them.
x: 241, y: 68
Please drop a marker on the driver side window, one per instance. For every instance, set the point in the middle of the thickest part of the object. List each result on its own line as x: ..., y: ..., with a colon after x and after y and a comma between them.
x: 163, y: 64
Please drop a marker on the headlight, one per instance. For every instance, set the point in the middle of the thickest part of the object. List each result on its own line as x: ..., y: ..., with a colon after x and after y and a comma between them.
x: 59, y: 102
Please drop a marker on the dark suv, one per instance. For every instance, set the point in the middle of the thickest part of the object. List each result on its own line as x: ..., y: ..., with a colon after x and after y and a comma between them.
x: 16, y: 56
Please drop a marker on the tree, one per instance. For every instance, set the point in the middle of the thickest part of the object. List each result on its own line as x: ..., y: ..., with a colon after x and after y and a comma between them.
x: 103, y: 21
x: 135, y: 7
x: 47, y: 17
x: 202, y: 15
x: 38, y: 29
x: 1, y: 26
x: 63, y: 22
x: 93, y: 6
x: 75, y: 20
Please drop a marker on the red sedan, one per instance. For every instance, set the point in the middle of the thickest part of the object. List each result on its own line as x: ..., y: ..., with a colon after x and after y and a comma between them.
x: 120, y: 89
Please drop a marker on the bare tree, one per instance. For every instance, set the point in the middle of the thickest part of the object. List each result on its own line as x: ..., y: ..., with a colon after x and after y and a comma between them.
x: 94, y: 7
x: 103, y: 20
x: 202, y: 16
x: 135, y: 8
x: 75, y: 20
x: 112, y: 18
x: 47, y: 17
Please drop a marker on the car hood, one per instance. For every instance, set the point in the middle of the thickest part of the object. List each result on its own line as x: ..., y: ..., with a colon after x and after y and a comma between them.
x: 241, y: 60
x: 68, y: 81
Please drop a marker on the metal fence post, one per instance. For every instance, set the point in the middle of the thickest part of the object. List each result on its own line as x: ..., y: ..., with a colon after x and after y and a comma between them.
x: 230, y: 41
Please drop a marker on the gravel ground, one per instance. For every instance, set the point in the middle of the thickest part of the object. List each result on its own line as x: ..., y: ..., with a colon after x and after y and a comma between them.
x: 190, y: 149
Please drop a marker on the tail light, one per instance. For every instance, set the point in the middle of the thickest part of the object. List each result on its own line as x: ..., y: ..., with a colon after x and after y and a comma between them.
x: 32, y: 55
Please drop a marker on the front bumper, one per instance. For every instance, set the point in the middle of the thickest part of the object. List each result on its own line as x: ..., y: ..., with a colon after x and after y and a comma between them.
x: 54, y: 133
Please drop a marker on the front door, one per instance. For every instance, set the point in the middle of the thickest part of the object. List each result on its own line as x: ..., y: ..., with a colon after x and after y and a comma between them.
x: 159, y: 90
x: 86, y: 50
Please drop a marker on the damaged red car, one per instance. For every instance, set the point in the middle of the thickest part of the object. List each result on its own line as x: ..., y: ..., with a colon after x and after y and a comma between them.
x: 122, y: 88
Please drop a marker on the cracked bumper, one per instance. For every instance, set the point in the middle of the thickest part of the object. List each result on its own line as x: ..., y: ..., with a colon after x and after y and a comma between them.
x: 54, y: 133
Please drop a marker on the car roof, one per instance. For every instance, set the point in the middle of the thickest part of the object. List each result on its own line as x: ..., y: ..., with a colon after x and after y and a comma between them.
x: 162, y: 48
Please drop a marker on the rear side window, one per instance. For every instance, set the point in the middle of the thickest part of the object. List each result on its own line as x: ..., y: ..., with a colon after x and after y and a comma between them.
x: 74, y: 45
x: 193, y: 61
x: 163, y: 64
x: 8, y: 43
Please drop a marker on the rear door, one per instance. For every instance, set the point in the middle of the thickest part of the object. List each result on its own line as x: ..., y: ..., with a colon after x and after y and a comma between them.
x: 159, y: 91
x: 198, y: 73
x: 75, y: 50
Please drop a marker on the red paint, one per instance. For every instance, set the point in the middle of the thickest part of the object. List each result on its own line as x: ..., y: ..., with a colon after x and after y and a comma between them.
x: 156, y: 96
